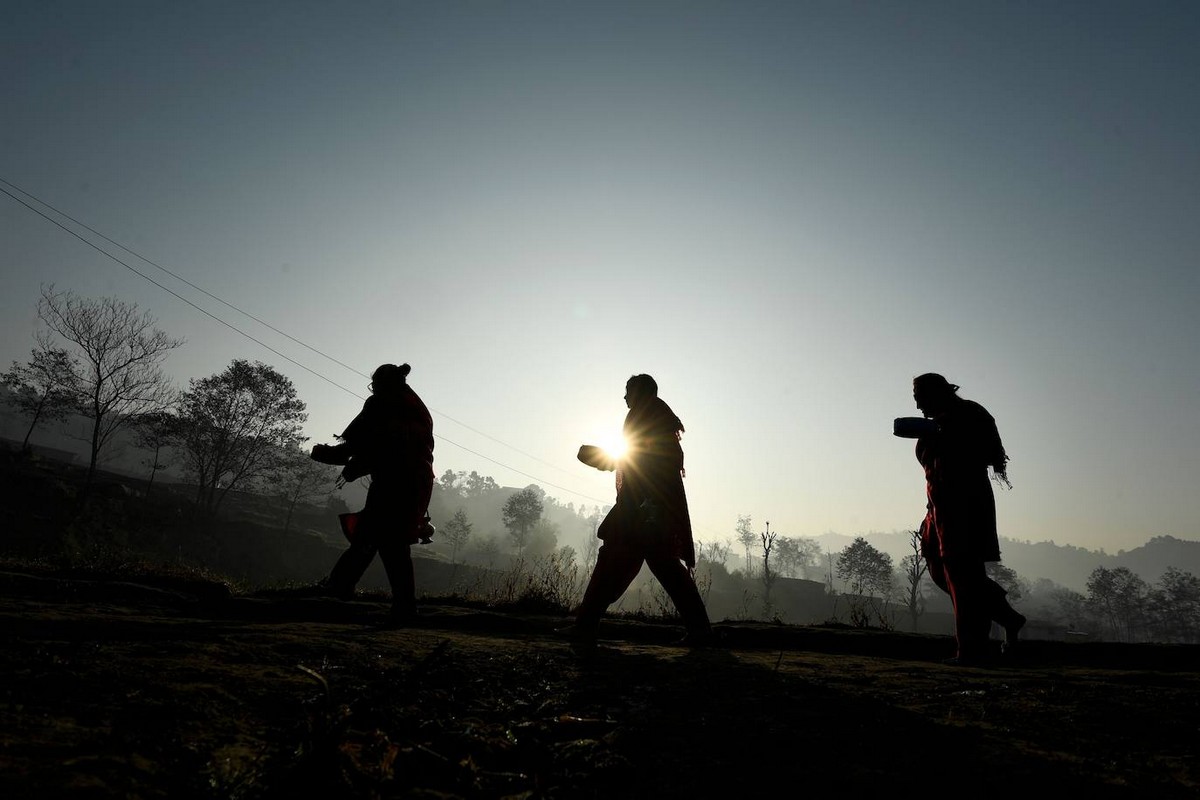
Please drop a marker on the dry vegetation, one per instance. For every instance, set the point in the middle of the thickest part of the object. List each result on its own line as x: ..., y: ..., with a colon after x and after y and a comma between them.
x: 149, y: 685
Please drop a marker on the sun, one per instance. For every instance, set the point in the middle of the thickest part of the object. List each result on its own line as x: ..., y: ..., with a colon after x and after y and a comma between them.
x: 614, y: 446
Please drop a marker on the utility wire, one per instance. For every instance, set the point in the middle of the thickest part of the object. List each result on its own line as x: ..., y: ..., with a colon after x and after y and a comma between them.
x: 241, y: 311
x: 234, y: 328
x: 172, y: 292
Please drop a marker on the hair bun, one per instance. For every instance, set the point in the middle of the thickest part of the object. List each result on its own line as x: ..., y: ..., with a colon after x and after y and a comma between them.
x: 404, y: 369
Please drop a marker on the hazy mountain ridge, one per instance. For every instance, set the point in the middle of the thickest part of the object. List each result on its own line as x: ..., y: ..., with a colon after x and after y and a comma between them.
x: 1063, y: 564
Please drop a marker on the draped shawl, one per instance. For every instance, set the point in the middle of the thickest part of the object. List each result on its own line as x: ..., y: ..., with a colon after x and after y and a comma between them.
x: 392, y: 439
x: 650, y: 475
x: 961, y: 516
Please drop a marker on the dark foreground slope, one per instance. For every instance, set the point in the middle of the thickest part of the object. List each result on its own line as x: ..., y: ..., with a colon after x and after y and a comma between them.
x: 126, y: 690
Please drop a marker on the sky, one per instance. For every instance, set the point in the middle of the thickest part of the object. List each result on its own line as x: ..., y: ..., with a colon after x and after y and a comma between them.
x: 783, y: 211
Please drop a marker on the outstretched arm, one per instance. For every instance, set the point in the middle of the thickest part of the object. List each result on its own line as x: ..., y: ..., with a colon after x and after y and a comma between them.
x: 913, y: 427
x: 596, y: 457
x: 337, y: 454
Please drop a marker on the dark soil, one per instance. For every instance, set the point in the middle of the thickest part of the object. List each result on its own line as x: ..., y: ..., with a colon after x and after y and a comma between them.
x: 183, y: 690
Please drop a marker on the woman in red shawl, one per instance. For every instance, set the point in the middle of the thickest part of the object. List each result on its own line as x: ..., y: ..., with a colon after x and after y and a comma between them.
x: 649, y: 523
x: 958, y: 535
x: 391, y: 440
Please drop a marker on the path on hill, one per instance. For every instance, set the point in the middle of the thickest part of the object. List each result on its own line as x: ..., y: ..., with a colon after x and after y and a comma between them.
x: 122, y: 689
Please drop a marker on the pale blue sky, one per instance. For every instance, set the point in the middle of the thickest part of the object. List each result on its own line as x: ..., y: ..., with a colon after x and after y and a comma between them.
x: 782, y: 211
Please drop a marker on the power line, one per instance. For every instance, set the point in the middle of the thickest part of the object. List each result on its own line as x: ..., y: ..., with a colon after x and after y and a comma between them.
x: 172, y: 292
x: 241, y: 311
x: 261, y: 343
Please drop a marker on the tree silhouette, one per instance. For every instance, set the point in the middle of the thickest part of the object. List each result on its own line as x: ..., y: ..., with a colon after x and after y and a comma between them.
x: 591, y: 544
x: 797, y: 554
x: 116, y: 360
x: 448, y: 483
x: 489, y: 549
x: 1119, y: 597
x: 1008, y: 579
x: 457, y: 532
x: 768, y: 575
x: 476, y: 485
x: 520, y: 513
x: 864, y: 568
x: 747, y: 538
x: 46, y: 388
x: 155, y: 431
x: 913, y: 569
x: 1175, y: 606
x: 300, y: 479
x: 866, y: 571
x: 235, y: 426
x: 715, y: 552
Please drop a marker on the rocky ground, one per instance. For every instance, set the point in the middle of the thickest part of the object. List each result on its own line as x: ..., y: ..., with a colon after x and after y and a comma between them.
x: 142, y: 689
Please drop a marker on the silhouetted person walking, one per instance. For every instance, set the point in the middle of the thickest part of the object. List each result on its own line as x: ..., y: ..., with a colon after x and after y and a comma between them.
x: 649, y: 523
x: 391, y: 440
x: 958, y: 535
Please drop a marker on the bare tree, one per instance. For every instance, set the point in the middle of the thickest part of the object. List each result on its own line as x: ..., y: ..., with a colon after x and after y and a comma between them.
x: 45, y: 388
x: 747, y: 538
x: 913, y: 568
x: 591, y: 551
x: 117, y: 360
x: 768, y: 576
x: 591, y: 545
x: 235, y: 425
x: 715, y: 552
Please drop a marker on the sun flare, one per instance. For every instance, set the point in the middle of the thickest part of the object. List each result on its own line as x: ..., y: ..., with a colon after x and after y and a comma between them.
x: 614, y: 446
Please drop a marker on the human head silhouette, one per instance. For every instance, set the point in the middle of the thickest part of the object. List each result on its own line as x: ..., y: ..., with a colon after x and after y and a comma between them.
x: 639, y: 389
x: 933, y: 393
x: 388, y: 378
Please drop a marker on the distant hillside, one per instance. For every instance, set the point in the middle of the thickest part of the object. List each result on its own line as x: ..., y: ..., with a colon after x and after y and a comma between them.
x: 1063, y: 564
x: 69, y: 441
x: 1066, y: 565
x: 1152, y: 559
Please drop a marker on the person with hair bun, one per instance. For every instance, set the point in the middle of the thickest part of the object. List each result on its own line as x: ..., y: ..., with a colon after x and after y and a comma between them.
x: 649, y: 522
x: 391, y: 440
x: 958, y: 534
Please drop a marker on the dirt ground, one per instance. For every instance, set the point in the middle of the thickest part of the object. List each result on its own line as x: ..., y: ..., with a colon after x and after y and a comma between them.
x: 118, y: 689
